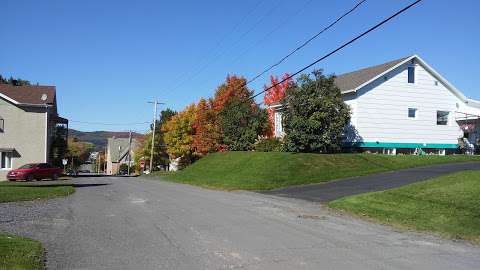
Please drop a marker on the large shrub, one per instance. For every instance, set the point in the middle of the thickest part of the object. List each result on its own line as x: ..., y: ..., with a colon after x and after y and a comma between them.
x: 314, y: 115
x: 268, y: 145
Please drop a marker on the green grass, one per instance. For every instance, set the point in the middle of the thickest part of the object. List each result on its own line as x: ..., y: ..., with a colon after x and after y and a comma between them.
x: 263, y: 171
x: 447, y: 205
x: 27, y: 191
x: 20, y: 253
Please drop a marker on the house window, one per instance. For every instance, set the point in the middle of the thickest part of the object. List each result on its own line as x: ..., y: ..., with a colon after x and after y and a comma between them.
x: 278, y: 125
x: 442, y: 118
x: 411, y: 74
x: 2, y: 125
x: 412, y: 113
x: 5, y: 160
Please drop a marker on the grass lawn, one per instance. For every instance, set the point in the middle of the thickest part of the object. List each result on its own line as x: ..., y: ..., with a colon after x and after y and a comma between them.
x: 26, y: 191
x: 447, y: 205
x: 263, y: 171
x: 20, y: 253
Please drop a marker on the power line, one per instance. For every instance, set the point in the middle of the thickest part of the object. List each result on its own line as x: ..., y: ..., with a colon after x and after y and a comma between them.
x: 307, y: 42
x: 336, y: 50
x: 221, y: 53
x: 265, y: 37
x: 220, y: 43
x: 108, y: 124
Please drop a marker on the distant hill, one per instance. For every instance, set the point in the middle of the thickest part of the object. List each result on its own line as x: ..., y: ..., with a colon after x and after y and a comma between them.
x: 99, y: 138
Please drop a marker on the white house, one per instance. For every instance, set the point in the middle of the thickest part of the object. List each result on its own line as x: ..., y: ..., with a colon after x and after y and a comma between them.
x: 404, y: 106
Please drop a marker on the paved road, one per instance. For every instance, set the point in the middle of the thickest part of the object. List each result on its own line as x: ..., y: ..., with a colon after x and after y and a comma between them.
x: 356, y: 185
x: 133, y: 223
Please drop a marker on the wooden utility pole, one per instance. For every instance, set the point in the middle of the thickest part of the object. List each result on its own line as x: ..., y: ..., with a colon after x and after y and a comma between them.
x: 155, y: 103
x: 129, y: 150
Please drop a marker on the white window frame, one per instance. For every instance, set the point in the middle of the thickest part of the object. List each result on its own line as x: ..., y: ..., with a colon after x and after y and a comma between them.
x: 6, y: 161
x: 2, y: 125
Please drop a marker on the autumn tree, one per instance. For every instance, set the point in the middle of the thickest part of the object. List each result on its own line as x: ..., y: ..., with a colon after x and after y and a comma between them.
x: 240, y: 119
x: 78, y: 151
x: 234, y: 88
x: 274, y: 94
x: 207, y: 138
x: 179, y: 134
x: 314, y: 115
x: 160, y: 155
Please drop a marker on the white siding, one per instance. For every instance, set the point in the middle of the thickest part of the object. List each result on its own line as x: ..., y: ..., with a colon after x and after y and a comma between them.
x: 382, y: 109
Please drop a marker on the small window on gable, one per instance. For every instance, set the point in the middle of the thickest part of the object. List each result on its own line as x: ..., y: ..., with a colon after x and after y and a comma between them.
x: 412, y: 113
x: 2, y: 125
x: 411, y: 74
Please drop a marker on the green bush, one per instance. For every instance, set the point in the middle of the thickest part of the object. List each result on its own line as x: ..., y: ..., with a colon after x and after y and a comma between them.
x: 268, y: 145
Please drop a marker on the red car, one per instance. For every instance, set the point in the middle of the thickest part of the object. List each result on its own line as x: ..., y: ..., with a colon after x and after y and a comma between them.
x: 34, y: 171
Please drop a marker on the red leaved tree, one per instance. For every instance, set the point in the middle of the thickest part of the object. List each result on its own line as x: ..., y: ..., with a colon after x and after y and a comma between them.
x: 274, y: 96
x: 233, y: 89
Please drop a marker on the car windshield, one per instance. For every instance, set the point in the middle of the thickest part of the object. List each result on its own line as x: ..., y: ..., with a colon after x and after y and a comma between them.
x: 28, y: 166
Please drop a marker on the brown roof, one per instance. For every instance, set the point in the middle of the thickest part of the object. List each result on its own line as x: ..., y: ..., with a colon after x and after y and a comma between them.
x: 31, y: 94
x: 352, y: 80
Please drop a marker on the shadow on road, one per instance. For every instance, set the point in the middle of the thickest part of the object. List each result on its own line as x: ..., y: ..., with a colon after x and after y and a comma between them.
x: 40, y: 185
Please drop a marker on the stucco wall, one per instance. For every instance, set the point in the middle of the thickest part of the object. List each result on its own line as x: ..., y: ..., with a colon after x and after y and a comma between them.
x: 25, y: 132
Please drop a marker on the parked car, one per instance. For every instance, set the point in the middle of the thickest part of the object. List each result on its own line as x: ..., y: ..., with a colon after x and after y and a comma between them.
x: 34, y: 171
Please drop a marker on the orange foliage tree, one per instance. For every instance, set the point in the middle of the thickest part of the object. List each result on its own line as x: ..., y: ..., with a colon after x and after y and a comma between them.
x: 234, y: 88
x: 274, y: 96
x: 179, y: 134
x: 207, y: 132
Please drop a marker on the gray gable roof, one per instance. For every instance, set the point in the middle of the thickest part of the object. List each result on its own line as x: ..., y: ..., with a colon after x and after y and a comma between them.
x: 119, y: 147
x: 352, y: 80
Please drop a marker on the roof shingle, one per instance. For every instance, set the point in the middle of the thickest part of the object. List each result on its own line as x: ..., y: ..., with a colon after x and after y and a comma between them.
x: 352, y: 80
x: 29, y: 94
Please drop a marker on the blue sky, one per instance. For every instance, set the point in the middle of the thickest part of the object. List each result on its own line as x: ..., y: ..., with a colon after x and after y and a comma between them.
x: 108, y: 58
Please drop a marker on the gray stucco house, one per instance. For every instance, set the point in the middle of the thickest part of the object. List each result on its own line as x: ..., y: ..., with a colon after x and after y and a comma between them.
x: 28, y: 116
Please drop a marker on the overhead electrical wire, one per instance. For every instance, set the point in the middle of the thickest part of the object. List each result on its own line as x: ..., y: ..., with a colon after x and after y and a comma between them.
x: 222, y: 52
x: 267, y: 36
x: 305, y: 43
x: 336, y: 50
x: 109, y: 124
x: 220, y: 43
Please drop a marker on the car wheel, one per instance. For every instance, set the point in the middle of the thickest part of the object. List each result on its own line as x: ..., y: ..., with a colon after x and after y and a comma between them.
x: 54, y: 176
x: 30, y: 177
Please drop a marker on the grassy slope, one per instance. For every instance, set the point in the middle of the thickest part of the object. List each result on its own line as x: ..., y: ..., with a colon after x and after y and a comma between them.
x: 448, y: 205
x: 20, y: 253
x: 12, y: 191
x: 261, y: 171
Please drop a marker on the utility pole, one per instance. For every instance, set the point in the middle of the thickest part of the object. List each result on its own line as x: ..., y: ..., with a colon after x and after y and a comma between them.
x: 105, y: 164
x: 155, y: 103
x: 129, y: 150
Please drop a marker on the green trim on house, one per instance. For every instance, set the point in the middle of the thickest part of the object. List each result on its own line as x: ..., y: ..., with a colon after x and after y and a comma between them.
x: 400, y: 145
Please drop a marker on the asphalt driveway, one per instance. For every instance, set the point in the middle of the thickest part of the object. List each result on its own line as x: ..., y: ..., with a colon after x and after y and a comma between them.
x: 134, y: 223
x: 330, y: 191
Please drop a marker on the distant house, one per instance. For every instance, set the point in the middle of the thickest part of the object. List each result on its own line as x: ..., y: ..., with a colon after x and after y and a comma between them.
x: 404, y: 106
x: 28, y: 115
x: 120, y: 151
